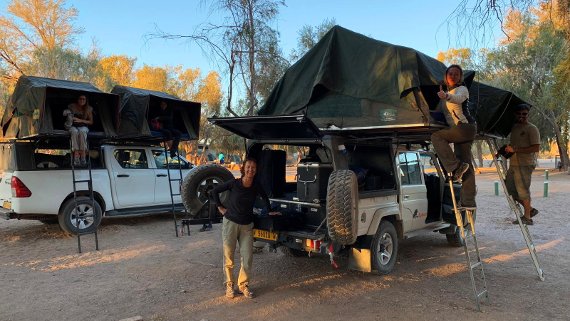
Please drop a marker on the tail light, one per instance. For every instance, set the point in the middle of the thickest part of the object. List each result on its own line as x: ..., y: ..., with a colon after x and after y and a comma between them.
x: 19, y: 189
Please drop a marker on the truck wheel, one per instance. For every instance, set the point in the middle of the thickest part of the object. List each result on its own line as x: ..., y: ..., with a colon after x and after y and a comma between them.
x: 82, y: 218
x: 455, y: 239
x: 293, y: 252
x: 384, y: 248
x: 342, y: 206
x: 198, y: 183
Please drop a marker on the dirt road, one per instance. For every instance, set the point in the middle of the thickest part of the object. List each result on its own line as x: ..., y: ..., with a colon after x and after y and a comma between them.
x: 143, y: 270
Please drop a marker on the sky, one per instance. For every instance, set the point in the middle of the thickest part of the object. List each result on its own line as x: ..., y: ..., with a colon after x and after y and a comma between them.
x: 121, y: 27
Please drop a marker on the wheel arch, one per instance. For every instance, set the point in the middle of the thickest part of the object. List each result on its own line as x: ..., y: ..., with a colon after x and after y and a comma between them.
x: 98, y: 197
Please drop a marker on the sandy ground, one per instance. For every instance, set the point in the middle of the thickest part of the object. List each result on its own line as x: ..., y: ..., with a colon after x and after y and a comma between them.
x: 143, y: 270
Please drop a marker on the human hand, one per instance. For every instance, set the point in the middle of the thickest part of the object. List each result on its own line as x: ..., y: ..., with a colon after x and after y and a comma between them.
x: 274, y: 213
x: 222, y: 210
x: 441, y: 94
x: 509, y: 149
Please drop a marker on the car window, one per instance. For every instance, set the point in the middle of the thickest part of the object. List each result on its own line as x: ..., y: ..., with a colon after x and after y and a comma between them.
x: 131, y: 158
x: 410, y: 170
x: 160, y: 160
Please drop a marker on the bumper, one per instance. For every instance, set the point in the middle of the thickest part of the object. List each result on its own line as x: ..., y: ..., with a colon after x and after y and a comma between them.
x: 7, y: 213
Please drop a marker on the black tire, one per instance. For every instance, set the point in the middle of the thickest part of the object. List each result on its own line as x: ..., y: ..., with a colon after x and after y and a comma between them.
x: 293, y: 252
x: 198, y: 183
x: 384, y: 248
x: 342, y: 207
x: 89, y: 217
x: 455, y: 239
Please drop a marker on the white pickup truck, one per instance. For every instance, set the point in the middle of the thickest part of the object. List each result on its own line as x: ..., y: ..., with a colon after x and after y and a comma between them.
x: 36, y: 182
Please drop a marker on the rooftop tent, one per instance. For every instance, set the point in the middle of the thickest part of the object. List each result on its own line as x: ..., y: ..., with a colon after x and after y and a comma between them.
x: 494, y: 109
x: 138, y: 106
x: 36, y: 108
x: 350, y: 81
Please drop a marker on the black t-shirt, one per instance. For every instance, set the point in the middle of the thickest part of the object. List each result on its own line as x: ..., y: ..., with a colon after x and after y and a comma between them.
x: 241, y: 200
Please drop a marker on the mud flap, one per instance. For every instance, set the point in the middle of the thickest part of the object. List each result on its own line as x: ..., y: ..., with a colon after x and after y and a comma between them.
x: 360, y: 260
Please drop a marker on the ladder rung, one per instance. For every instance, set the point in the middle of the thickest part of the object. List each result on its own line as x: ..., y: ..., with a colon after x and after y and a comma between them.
x: 175, y: 179
x: 82, y: 181
x: 484, y: 292
x: 175, y: 194
x: 476, y: 265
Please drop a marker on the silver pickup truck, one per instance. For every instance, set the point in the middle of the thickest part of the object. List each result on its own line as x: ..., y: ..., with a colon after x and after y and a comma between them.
x: 361, y: 194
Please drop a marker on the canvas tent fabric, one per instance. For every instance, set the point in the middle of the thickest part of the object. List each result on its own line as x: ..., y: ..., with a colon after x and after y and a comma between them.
x: 349, y: 79
x: 494, y: 109
x: 138, y: 106
x: 352, y: 82
x: 36, y: 108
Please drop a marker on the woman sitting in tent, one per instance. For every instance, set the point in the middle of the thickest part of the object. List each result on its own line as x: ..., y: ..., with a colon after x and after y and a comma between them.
x: 81, y: 116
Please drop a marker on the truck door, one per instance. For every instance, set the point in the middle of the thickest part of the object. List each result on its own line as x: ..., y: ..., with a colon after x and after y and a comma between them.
x: 413, y: 193
x: 162, y: 191
x: 134, y: 181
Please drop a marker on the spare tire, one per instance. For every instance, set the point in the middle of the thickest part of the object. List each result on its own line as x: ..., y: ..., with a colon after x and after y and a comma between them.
x: 342, y: 207
x: 197, y: 185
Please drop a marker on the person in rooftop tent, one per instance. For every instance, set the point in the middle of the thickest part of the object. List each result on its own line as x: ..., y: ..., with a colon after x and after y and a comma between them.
x: 237, y: 225
x: 81, y: 116
x: 164, y: 123
x: 524, y: 145
x: 461, y: 132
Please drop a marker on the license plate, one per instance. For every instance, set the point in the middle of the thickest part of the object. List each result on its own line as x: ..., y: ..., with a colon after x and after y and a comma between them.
x: 266, y: 235
x: 7, y: 205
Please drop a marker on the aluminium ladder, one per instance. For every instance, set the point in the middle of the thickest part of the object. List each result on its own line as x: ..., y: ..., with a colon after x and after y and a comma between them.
x: 501, y: 170
x: 472, y: 256
x: 173, y: 192
x: 83, y: 213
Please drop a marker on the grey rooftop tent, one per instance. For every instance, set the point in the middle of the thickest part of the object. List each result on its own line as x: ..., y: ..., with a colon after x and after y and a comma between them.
x: 350, y: 82
x: 138, y: 106
x: 37, y: 104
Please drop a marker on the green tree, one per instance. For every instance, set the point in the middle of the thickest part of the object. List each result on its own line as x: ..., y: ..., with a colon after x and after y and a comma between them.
x: 309, y: 36
x: 526, y: 64
x: 36, y: 28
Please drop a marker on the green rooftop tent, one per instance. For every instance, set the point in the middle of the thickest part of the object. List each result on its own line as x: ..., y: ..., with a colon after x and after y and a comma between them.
x: 138, y: 106
x: 37, y: 104
x: 350, y: 82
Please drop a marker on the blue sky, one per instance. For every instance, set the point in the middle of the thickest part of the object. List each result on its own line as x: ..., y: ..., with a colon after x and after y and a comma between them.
x: 119, y: 27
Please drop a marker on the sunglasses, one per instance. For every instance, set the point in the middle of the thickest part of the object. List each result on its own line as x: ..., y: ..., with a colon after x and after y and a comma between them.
x: 522, y: 114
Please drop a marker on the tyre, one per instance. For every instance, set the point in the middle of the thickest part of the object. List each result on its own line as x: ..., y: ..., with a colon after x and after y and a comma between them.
x: 293, y: 252
x: 384, y: 248
x: 198, y: 183
x: 455, y: 239
x: 83, y: 218
x: 342, y: 207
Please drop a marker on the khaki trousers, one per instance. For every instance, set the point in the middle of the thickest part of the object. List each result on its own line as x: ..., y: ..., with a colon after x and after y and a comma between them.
x: 235, y: 234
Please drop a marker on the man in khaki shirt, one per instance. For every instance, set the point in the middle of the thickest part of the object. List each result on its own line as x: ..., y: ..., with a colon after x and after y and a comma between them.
x: 525, y: 144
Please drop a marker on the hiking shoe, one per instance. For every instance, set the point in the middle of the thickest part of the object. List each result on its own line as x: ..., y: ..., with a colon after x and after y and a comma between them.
x: 459, y: 171
x: 246, y: 291
x: 76, y: 161
x: 533, y: 212
x: 83, y: 162
x: 205, y: 228
x: 230, y: 293
x: 524, y: 220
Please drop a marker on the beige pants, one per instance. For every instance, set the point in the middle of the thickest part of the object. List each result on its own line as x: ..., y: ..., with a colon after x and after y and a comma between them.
x: 232, y: 235
x: 79, y: 138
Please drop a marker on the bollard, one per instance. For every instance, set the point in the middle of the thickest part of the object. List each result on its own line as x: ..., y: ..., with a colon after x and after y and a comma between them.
x: 546, y: 189
x: 496, y: 188
x: 545, y: 174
